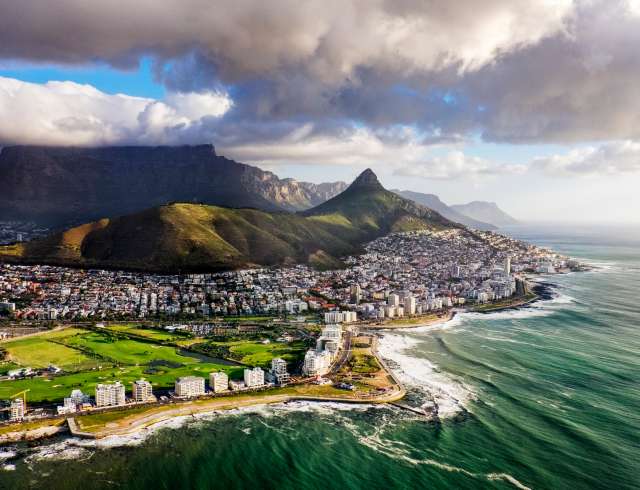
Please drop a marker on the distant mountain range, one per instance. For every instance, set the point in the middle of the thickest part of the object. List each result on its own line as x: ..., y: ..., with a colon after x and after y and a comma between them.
x: 57, y: 186
x: 195, y: 237
x: 432, y: 201
x: 485, y: 211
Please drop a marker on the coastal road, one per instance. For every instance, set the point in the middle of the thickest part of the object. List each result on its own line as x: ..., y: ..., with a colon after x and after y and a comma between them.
x: 344, y: 354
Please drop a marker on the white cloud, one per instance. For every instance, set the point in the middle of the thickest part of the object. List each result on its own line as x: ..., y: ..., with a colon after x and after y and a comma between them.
x: 67, y: 113
x: 615, y: 158
x: 402, y: 151
x: 455, y: 165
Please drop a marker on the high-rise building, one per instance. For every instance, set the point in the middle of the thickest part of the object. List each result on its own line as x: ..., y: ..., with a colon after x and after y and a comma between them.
x: 394, y: 300
x: 279, y: 372
x: 110, y: 394
x: 189, y: 386
x: 356, y: 293
x: 141, y: 390
x: 507, y: 266
x: 253, y: 378
x: 219, y: 381
x: 409, y: 305
x: 17, y: 409
x: 316, y: 363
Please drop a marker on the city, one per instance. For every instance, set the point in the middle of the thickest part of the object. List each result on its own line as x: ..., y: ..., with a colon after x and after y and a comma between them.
x: 438, y: 269
x: 403, y: 277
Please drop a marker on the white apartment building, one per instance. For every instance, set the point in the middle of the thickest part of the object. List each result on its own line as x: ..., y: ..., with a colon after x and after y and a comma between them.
x: 332, y: 332
x: 219, y: 381
x: 141, y: 390
x: 253, y: 378
x: 73, y: 403
x: 110, y: 394
x: 340, y: 317
x: 507, y: 266
x: 316, y: 363
x: 279, y: 372
x: 393, y: 300
x: 189, y: 386
x: 410, y: 305
x: 17, y: 409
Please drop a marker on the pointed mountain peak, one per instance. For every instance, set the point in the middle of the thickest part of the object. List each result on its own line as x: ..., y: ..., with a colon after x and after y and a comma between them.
x: 366, y: 180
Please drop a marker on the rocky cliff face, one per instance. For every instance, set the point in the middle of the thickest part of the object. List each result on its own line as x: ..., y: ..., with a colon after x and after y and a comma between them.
x: 59, y: 186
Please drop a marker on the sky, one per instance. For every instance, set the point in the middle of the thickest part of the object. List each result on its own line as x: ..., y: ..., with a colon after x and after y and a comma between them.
x: 533, y: 104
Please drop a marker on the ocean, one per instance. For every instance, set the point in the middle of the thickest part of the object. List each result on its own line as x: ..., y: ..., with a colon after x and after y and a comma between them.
x: 545, y: 397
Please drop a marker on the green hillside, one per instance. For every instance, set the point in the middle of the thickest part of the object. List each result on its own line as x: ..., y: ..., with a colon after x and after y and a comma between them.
x: 190, y: 237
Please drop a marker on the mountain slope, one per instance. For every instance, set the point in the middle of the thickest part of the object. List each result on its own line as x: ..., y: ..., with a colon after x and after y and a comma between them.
x: 375, y: 211
x: 190, y: 237
x: 488, y: 212
x: 433, y: 202
x: 55, y: 186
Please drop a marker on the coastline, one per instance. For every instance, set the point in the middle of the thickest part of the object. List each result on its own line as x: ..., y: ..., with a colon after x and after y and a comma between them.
x: 160, y: 415
x: 412, y: 322
x: 131, y: 421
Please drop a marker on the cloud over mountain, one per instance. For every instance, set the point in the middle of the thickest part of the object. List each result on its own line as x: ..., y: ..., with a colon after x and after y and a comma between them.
x: 275, y: 82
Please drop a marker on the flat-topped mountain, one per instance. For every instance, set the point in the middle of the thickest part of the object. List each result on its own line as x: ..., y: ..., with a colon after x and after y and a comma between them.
x: 488, y: 212
x: 433, y: 202
x: 55, y: 186
x: 194, y: 237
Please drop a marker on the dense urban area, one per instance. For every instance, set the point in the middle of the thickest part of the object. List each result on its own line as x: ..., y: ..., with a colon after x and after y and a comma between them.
x: 92, y: 332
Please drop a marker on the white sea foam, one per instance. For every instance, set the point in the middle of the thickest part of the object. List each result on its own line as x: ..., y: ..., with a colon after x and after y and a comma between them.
x: 451, y: 395
x: 65, y: 449
x: 7, y: 454
x: 78, y: 448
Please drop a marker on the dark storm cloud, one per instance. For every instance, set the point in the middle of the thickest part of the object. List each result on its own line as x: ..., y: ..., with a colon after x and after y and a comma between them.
x: 515, y: 71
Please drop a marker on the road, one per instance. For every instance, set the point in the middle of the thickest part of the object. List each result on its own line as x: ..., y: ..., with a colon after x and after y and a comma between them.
x: 344, y: 353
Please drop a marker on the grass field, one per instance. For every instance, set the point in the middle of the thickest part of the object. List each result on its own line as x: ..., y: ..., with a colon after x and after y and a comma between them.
x: 159, y: 364
x: 258, y: 354
x: 150, y: 333
x: 127, y: 351
x: 40, y: 351
x: 363, y: 363
x: 506, y: 303
x: 56, y: 388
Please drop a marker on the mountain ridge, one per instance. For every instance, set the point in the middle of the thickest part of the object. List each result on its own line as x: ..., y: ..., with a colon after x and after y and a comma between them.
x: 197, y: 237
x: 55, y: 186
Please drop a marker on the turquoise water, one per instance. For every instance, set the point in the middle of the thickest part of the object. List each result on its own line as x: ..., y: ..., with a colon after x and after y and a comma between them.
x: 545, y: 397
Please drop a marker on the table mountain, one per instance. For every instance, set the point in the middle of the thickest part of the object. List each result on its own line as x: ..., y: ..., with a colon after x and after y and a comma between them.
x: 57, y: 186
